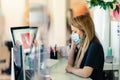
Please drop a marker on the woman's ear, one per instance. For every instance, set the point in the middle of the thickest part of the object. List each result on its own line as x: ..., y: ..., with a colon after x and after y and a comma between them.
x: 84, y: 35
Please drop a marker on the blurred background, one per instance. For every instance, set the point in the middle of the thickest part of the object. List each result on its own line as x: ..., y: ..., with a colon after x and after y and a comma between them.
x: 37, y: 13
x: 52, y: 17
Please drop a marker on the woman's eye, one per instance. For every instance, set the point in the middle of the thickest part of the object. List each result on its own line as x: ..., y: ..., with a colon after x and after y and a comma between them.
x: 74, y: 31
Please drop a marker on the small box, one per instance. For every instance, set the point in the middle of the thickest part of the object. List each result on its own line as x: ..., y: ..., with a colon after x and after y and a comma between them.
x: 109, y: 59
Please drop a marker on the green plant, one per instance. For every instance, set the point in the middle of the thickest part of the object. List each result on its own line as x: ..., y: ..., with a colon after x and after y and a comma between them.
x: 113, y: 4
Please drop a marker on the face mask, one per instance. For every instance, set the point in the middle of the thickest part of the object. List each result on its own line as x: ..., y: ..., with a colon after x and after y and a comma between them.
x: 75, y: 37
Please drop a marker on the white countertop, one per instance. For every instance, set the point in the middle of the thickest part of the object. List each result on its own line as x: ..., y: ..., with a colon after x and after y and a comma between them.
x: 58, y: 72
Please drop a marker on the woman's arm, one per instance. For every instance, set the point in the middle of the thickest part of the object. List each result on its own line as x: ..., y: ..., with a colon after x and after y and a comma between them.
x: 83, y: 72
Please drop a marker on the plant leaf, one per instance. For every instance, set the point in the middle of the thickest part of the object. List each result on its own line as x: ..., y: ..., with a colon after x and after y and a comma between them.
x: 117, y: 8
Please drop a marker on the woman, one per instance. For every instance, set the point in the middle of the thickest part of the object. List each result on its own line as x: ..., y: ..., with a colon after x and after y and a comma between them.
x: 88, y: 61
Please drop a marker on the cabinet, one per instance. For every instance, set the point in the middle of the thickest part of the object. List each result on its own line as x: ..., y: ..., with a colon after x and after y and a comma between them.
x: 112, y: 67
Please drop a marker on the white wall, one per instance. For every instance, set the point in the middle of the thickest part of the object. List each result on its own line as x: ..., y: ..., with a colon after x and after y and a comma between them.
x: 13, y: 12
x: 57, y: 34
x: 1, y: 27
x: 102, y: 25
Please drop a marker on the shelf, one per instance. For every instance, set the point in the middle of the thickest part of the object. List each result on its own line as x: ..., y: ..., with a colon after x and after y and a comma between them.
x: 110, y: 66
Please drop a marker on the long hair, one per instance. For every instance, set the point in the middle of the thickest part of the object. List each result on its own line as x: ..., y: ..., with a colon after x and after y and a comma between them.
x: 85, y: 24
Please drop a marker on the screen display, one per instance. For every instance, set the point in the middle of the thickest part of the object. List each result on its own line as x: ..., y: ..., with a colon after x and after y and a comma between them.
x: 24, y: 36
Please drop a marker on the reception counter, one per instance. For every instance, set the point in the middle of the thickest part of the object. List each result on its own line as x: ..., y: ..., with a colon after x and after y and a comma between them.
x: 58, y: 71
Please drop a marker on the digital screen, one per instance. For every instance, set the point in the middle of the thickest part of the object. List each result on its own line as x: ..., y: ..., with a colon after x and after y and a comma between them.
x: 24, y: 36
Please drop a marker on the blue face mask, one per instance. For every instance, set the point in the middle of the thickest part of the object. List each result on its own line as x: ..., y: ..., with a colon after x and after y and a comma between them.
x: 75, y: 37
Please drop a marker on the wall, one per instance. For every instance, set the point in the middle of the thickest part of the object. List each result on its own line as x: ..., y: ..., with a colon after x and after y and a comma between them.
x: 1, y: 27
x: 57, y: 33
x: 13, y: 13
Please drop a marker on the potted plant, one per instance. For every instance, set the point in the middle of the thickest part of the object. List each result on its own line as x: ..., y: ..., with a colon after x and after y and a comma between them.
x: 112, y: 4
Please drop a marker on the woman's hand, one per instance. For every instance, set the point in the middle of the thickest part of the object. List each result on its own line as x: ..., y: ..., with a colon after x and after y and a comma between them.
x: 73, y: 44
x: 69, y: 68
